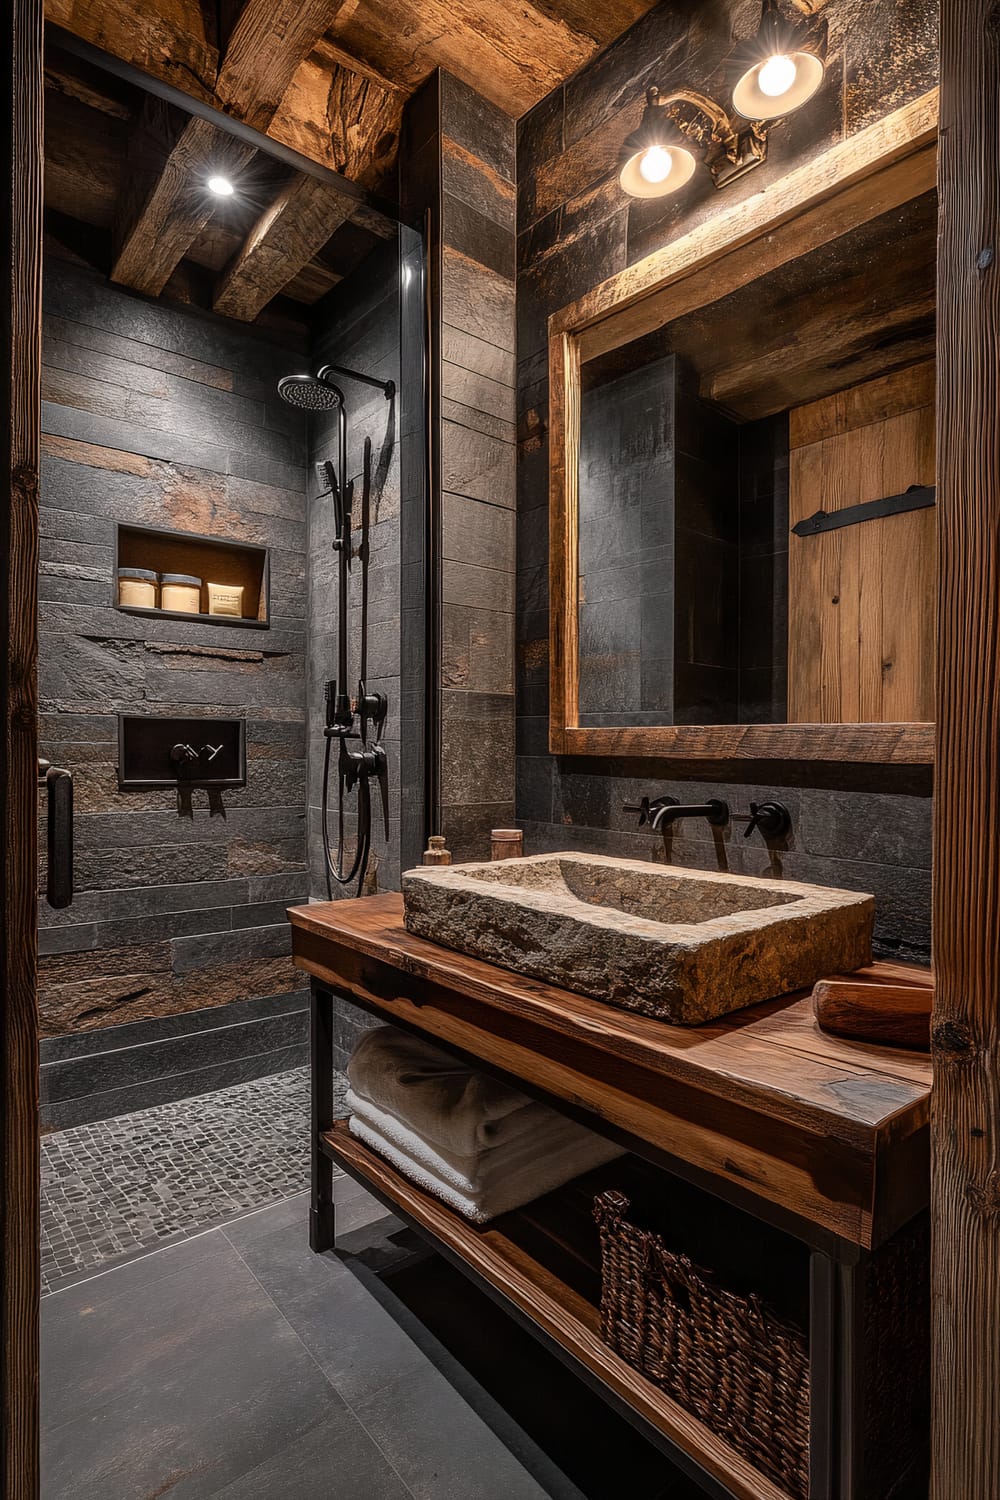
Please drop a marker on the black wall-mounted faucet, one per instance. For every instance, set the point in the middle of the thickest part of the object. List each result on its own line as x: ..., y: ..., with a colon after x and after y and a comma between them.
x: 772, y: 818
x: 666, y: 810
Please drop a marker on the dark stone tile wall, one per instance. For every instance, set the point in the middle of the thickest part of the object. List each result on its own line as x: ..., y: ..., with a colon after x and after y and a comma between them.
x: 659, y: 552
x: 94, y: 1075
x: 865, y: 829
x: 459, y: 161
x: 156, y: 414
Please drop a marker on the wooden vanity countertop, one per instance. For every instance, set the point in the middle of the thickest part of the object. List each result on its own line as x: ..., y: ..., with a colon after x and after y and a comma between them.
x: 833, y: 1132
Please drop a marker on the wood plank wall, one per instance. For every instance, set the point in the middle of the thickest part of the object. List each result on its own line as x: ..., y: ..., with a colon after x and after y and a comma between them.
x: 868, y: 830
x: 159, y: 415
x: 965, y: 1031
x: 20, y: 321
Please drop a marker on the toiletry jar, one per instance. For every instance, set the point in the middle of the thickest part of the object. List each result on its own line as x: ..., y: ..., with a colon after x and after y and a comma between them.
x: 180, y: 592
x: 225, y: 599
x: 137, y: 587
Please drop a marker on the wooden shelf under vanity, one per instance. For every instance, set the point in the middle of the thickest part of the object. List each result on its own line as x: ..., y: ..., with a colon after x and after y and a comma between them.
x: 539, y: 1262
x: 212, y: 559
x: 821, y: 1140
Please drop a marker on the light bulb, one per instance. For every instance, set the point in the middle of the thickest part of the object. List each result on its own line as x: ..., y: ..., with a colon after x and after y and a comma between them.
x: 221, y: 186
x: 655, y: 164
x: 777, y: 76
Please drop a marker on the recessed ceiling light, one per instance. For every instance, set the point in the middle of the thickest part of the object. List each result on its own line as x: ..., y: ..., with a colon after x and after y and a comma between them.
x: 221, y: 186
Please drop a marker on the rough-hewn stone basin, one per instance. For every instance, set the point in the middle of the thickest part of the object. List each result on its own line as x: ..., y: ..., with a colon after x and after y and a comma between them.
x: 685, y: 945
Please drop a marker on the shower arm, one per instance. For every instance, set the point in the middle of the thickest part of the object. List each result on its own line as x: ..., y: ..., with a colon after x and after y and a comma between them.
x: 387, y: 387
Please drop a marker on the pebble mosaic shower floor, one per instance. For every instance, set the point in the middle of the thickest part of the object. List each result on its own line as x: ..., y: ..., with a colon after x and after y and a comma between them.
x: 138, y: 1181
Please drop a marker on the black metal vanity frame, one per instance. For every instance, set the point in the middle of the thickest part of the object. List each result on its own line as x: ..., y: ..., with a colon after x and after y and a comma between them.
x: 838, y: 1267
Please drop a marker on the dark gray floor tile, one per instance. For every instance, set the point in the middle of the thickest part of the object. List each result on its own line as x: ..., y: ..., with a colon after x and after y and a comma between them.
x: 292, y: 1213
x: 355, y: 1341
x: 97, y: 1340
x: 193, y: 1431
x: 337, y: 1460
x: 408, y: 1419
x: 145, y: 1267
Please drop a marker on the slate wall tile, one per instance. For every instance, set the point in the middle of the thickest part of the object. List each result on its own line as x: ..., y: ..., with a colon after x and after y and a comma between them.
x: 165, y: 417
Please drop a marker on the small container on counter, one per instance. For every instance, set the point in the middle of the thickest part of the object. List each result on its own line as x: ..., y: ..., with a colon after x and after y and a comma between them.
x: 180, y: 592
x: 436, y: 853
x: 225, y: 599
x: 506, y: 843
x: 137, y: 587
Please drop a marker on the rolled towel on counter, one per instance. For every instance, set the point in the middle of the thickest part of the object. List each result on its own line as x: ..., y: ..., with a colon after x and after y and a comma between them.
x: 493, y: 1182
x: 444, y: 1101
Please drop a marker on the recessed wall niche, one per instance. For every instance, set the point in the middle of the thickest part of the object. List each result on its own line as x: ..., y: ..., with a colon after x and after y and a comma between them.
x: 231, y: 564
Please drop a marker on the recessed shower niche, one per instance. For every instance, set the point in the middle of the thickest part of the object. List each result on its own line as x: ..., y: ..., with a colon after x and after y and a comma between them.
x: 237, y: 571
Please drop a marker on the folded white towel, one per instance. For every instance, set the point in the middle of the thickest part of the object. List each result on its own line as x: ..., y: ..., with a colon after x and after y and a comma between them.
x: 444, y: 1100
x: 553, y: 1140
x: 508, y: 1187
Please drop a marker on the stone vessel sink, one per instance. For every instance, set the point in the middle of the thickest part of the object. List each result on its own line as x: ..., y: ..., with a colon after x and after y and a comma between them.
x: 683, y: 945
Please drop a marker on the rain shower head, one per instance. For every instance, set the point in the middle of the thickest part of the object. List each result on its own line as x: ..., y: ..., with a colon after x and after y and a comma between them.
x: 309, y: 393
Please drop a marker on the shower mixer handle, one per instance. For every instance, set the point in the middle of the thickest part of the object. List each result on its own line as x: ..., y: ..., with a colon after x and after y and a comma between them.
x: 373, y: 708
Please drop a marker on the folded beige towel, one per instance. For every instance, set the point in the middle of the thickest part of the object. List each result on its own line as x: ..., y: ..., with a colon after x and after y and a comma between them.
x: 443, y: 1100
x: 552, y: 1139
x: 497, y: 1181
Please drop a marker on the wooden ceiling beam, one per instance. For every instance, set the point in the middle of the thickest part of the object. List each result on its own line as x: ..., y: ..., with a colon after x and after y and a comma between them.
x: 165, y: 205
x: 286, y: 237
x: 513, y: 54
x: 362, y: 121
x: 167, y: 40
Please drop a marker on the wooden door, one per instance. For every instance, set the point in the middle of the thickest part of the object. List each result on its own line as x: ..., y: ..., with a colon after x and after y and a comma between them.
x: 20, y: 339
x: 861, y: 598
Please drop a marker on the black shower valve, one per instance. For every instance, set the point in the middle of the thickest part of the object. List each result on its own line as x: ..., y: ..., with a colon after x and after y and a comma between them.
x: 373, y: 709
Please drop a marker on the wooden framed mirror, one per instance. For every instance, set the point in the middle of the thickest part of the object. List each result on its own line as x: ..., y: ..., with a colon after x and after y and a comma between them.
x: 742, y: 549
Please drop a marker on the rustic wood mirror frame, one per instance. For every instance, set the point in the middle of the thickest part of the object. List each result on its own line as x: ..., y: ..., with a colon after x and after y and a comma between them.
x: 855, y: 181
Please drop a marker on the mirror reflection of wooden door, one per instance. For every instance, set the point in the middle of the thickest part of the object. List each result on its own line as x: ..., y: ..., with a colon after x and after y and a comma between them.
x: 861, y: 598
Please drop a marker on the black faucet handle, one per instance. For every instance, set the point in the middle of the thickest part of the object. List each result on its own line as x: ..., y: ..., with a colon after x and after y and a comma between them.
x: 772, y: 818
x: 642, y: 808
x: 647, y: 810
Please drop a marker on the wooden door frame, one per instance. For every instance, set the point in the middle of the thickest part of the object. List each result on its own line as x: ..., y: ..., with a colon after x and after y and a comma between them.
x: 20, y: 320
x: 965, y: 1034
x: 877, y: 169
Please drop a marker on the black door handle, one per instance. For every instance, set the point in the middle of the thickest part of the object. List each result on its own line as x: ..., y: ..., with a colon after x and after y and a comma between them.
x: 59, y: 796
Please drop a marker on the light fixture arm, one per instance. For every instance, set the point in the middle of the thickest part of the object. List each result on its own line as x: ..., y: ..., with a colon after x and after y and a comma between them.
x: 720, y: 129
x: 729, y: 147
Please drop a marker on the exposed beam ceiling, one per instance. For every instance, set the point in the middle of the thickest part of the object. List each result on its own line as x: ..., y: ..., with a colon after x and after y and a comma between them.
x: 165, y: 205
x: 328, y: 78
x: 513, y: 54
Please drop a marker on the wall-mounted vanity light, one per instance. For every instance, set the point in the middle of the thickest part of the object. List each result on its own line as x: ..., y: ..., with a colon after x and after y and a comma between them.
x: 776, y: 71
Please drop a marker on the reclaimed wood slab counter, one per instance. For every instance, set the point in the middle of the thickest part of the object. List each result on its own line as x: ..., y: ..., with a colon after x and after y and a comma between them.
x: 830, y: 1132
x: 823, y: 1139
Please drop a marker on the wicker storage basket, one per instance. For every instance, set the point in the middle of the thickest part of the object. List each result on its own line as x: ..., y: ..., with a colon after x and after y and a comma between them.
x: 740, y: 1368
